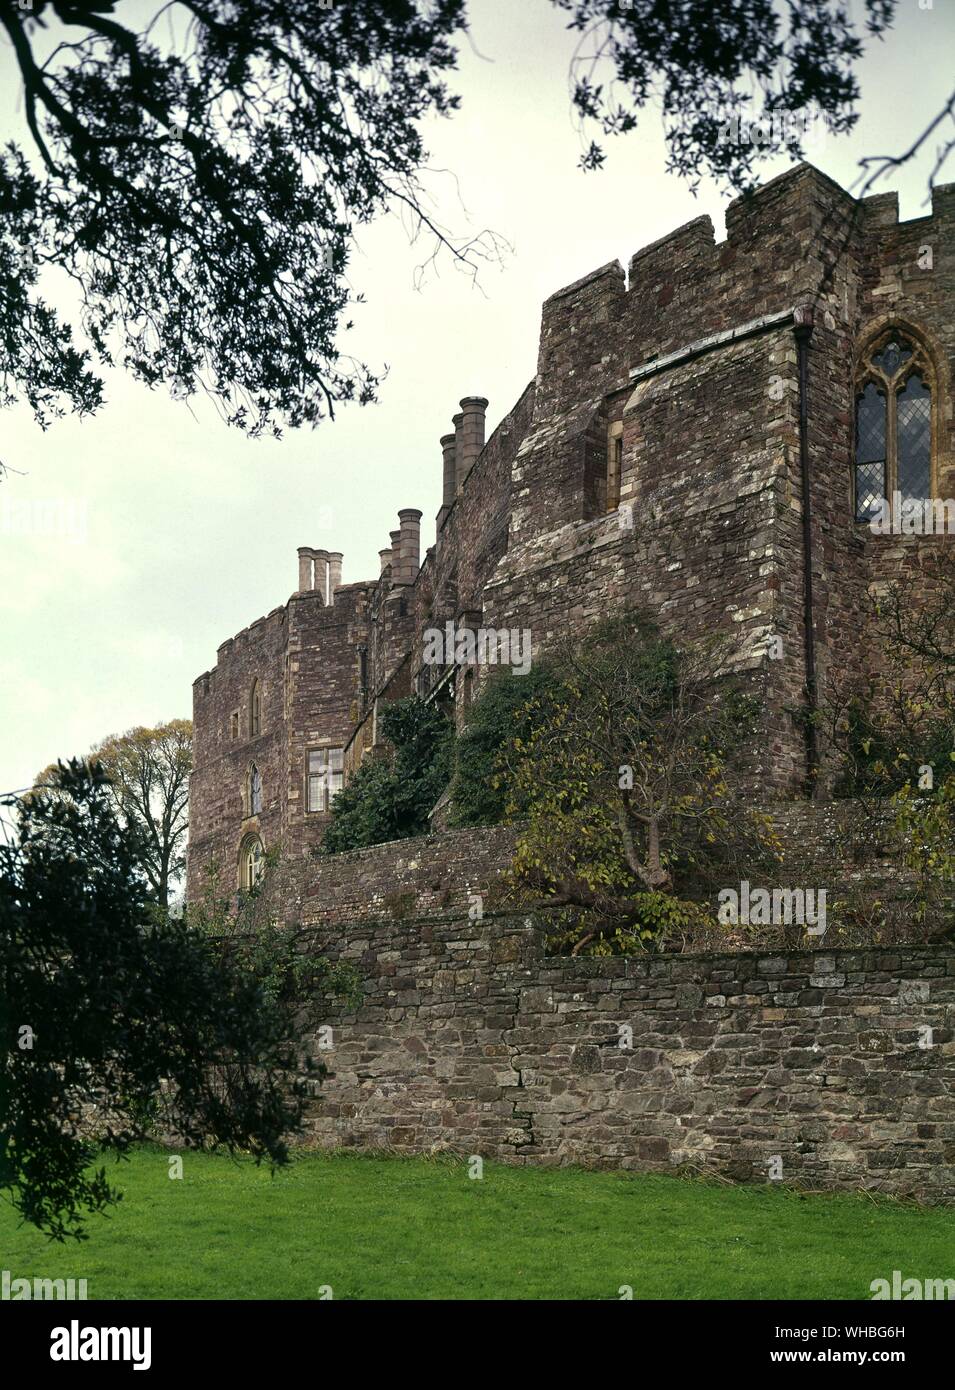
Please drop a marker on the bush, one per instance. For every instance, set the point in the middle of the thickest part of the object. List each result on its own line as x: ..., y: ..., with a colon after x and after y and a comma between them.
x: 508, y: 710
x: 390, y: 797
x: 112, y: 1015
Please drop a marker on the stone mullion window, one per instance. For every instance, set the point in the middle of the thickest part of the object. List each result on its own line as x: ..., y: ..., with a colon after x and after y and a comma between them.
x: 893, y: 443
x: 323, y: 778
x: 871, y: 460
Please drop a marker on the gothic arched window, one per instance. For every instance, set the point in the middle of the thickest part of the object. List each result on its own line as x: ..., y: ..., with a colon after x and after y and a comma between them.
x: 255, y: 710
x: 893, y: 437
x: 255, y: 790
x: 251, y: 862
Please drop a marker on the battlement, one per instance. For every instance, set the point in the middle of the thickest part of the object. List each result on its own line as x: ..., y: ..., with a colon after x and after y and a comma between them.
x: 693, y: 241
x: 612, y: 271
x: 785, y: 213
x: 781, y: 205
x: 882, y: 209
x: 667, y: 393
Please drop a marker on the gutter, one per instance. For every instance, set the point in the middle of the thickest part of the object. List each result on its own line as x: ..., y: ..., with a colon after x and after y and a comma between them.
x: 802, y: 332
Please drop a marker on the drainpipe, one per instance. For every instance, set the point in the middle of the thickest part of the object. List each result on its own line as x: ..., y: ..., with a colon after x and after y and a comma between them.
x: 802, y: 331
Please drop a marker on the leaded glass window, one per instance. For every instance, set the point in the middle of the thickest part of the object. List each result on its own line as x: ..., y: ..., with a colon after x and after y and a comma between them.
x: 893, y: 444
x: 324, y: 777
x: 870, y: 452
x: 255, y: 791
x: 891, y: 357
x: 251, y: 862
x: 914, y: 415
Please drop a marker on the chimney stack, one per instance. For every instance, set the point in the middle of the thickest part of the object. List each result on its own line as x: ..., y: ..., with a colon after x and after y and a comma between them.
x: 385, y: 557
x: 321, y: 572
x: 304, y: 568
x: 335, y: 558
x: 470, y: 434
x: 458, y: 423
x: 449, y: 477
x: 409, y: 542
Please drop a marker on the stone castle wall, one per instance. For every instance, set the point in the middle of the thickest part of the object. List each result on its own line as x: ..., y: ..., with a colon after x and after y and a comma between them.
x: 219, y: 813
x: 814, y: 1066
x: 470, y: 1037
x: 304, y: 658
x: 444, y: 871
x: 711, y: 463
x: 401, y: 879
x: 693, y: 356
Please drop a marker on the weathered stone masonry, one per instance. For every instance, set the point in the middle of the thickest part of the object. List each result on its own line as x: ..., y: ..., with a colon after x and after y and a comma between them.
x: 470, y: 1038
x: 686, y: 361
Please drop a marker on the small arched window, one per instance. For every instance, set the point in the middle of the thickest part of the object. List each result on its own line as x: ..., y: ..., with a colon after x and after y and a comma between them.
x: 251, y: 862
x: 255, y: 710
x: 255, y: 790
x: 893, y: 439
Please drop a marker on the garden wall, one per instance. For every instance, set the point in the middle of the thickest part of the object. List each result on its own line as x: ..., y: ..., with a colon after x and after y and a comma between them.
x: 824, y: 1068
x: 442, y: 872
x: 403, y: 878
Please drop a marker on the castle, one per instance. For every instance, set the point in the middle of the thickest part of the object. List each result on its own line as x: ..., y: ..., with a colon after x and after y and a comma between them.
x: 709, y: 436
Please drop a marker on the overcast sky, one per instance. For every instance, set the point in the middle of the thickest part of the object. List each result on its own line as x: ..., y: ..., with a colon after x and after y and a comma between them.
x: 137, y: 541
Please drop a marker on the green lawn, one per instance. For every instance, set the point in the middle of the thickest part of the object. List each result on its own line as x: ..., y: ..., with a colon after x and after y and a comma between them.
x: 389, y: 1228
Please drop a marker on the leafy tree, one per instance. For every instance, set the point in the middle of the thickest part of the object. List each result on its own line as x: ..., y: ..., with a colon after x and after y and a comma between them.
x: 883, y: 723
x: 199, y: 176
x: 109, y: 1009
x: 709, y: 62
x: 295, y: 977
x: 509, y: 707
x: 629, y: 787
x: 199, y: 180
x: 889, y: 735
x: 148, y: 772
x: 390, y: 797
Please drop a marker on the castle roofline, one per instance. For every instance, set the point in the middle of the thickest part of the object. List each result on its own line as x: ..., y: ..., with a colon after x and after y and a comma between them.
x: 803, y: 170
x: 697, y: 237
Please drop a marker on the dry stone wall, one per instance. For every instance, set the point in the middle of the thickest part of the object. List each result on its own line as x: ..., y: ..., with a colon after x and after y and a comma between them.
x: 823, y: 1069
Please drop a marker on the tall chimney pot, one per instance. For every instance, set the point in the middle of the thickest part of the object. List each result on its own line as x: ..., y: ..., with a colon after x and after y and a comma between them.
x: 458, y: 423
x: 304, y: 568
x: 471, y: 434
x: 448, y: 479
x: 449, y: 471
x: 335, y: 558
x: 321, y: 572
x: 409, y: 544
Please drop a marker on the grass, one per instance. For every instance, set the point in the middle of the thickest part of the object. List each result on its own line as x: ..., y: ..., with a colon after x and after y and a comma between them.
x: 397, y: 1228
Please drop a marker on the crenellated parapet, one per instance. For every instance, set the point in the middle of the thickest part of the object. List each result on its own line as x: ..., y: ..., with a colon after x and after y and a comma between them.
x: 687, y: 445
